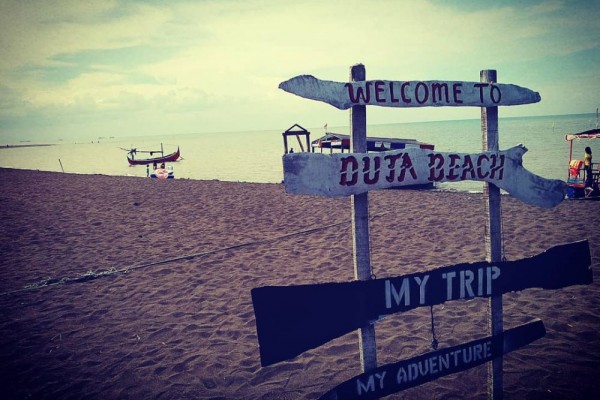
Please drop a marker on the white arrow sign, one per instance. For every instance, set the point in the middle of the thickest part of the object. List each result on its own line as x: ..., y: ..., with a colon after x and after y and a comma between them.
x: 347, y: 174
x: 409, y: 93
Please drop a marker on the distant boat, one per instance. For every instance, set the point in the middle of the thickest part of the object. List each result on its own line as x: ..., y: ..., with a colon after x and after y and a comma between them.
x: 131, y: 153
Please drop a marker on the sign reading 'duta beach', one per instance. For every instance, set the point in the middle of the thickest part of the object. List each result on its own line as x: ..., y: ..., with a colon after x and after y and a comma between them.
x: 409, y: 93
x: 293, y: 319
x: 342, y: 174
x: 392, y: 378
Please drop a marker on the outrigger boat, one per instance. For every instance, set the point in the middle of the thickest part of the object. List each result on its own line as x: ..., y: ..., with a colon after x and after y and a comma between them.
x: 131, y: 153
x: 577, y: 175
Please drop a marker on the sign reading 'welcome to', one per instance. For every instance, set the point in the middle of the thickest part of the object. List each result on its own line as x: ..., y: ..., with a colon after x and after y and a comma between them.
x: 409, y: 93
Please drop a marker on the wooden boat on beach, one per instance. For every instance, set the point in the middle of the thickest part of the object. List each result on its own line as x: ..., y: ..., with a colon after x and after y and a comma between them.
x: 131, y: 153
x: 577, y: 175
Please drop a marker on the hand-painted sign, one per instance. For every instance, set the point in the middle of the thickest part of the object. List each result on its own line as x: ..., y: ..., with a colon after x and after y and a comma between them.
x: 405, y: 374
x: 293, y: 319
x: 347, y: 174
x: 409, y: 93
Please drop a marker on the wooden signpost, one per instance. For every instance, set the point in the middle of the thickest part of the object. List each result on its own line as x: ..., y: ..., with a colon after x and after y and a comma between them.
x: 493, y: 234
x: 293, y: 319
x: 361, y: 243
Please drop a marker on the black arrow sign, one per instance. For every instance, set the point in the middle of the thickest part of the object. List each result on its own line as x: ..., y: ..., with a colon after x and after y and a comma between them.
x: 392, y: 378
x: 293, y: 319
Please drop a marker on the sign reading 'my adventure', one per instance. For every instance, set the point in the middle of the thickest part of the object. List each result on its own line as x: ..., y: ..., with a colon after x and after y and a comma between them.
x: 409, y: 93
x: 392, y: 378
x: 347, y: 174
x: 293, y: 319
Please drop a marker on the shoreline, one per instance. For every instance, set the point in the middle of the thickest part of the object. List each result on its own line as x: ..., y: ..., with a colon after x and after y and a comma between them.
x: 448, y: 189
x: 14, y: 146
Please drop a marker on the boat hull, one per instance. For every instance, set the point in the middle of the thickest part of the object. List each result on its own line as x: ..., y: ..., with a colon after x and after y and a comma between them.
x: 145, y: 161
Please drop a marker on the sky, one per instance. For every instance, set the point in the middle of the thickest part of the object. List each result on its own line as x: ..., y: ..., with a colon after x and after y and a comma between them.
x: 86, y: 68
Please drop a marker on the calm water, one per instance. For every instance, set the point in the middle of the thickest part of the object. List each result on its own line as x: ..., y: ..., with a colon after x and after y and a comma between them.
x: 256, y: 156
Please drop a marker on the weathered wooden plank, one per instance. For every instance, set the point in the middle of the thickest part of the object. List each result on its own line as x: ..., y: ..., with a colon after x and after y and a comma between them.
x: 409, y: 93
x: 360, y: 225
x: 395, y: 377
x: 493, y: 235
x: 293, y: 319
x: 347, y: 174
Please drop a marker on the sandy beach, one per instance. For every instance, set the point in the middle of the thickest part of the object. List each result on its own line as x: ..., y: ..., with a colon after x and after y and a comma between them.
x: 133, y: 288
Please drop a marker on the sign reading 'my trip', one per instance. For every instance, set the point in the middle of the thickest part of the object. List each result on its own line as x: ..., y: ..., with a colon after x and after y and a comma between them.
x: 293, y: 319
x: 409, y: 93
x: 354, y: 173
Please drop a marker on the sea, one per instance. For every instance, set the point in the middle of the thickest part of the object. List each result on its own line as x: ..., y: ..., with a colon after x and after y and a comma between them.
x: 255, y: 156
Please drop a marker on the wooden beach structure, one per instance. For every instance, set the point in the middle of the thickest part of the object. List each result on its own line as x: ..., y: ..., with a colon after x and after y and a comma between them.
x: 318, y: 313
x: 577, y: 176
x: 341, y: 142
x: 297, y: 131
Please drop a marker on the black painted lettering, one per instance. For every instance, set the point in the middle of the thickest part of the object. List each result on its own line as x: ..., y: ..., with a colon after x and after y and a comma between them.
x: 405, y: 98
x: 452, y: 167
x: 439, y: 92
x: 364, y: 93
x: 436, y: 170
x: 480, y: 173
x: 407, y: 165
x: 496, y: 94
x: 468, y: 169
x: 379, y: 90
x: 456, y: 92
x: 351, y: 164
x: 392, y: 98
x: 481, y: 86
x: 371, y: 180
x: 425, y: 92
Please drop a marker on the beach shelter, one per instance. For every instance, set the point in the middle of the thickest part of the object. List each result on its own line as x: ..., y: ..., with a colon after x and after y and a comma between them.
x: 296, y: 130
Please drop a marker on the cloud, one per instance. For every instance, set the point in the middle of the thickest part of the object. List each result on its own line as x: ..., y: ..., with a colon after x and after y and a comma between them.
x: 205, y: 61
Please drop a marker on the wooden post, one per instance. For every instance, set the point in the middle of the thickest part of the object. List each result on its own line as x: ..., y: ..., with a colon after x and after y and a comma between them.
x: 300, y: 143
x: 493, y: 233
x: 285, y: 143
x: 360, y: 224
